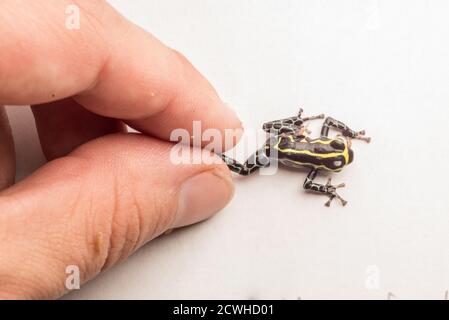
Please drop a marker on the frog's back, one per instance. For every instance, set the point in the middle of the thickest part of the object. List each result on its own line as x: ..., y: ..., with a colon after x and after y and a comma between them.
x: 322, y: 153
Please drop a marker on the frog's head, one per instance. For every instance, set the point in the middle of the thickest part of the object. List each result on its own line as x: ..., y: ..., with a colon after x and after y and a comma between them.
x: 344, y: 144
x: 338, y: 153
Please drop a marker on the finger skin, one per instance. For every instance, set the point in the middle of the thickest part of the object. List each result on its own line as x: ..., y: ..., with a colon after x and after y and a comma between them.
x: 94, y: 208
x: 64, y: 125
x: 7, y: 152
x: 110, y: 66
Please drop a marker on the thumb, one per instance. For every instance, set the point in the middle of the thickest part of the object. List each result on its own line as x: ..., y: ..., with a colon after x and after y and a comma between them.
x: 95, y: 207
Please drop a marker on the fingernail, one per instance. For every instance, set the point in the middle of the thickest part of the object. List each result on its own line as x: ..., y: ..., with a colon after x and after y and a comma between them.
x: 203, y: 195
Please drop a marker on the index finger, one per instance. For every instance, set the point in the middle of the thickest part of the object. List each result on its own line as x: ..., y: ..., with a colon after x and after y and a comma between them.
x: 110, y: 66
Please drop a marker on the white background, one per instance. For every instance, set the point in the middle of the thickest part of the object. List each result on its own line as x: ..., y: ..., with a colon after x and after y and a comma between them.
x: 382, y: 66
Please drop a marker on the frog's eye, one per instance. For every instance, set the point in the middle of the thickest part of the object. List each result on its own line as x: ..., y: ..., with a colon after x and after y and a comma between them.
x: 338, y: 144
x: 338, y: 163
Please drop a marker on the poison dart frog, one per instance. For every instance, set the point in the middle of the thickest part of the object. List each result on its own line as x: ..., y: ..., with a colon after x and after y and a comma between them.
x: 289, y: 144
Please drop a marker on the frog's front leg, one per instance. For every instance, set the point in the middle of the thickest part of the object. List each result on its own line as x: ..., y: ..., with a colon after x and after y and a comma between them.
x: 327, y: 189
x: 260, y: 159
x: 347, y: 132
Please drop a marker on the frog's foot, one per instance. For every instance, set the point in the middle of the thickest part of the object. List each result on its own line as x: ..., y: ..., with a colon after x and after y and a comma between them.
x: 332, y: 193
x: 361, y: 136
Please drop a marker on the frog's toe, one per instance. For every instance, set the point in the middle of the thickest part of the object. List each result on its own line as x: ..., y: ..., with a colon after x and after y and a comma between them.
x: 334, y: 195
x: 366, y: 139
x: 361, y: 136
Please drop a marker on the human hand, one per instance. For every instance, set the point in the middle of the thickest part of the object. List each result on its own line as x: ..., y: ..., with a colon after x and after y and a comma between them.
x: 105, y: 193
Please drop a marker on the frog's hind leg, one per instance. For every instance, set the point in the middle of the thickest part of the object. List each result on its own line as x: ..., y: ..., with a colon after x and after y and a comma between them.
x: 289, y: 125
x: 304, y: 119
x: 284, y: 126
x: 320, y: 116
x: 326, y: 189
x: 346, y: 131
x: 260, y: 159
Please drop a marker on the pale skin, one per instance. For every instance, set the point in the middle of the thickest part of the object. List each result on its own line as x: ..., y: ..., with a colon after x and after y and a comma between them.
x: 104, y: 193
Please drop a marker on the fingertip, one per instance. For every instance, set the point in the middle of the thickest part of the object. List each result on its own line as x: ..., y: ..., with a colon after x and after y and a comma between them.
x: 203, y: 195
